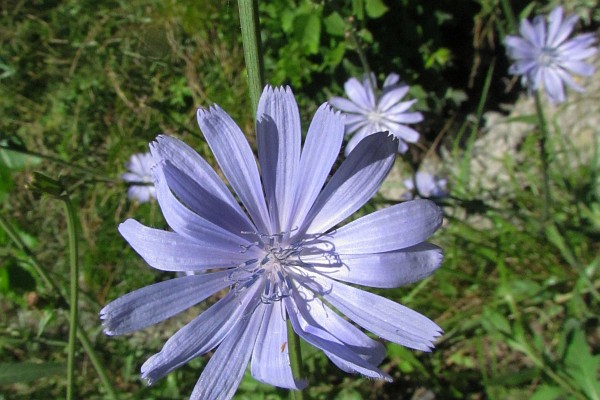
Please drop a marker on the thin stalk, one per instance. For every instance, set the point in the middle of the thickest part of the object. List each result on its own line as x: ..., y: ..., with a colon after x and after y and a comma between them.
x: 295, y: 360
x: 556, y: 377
x: 363, y: 58
x: 508, y: 14
x: 74, y: 290
x: 465, y: 163
x: 57, y: 160
x: 14, y: 236
x: 81, y: 333
x: 252, y: 49
x: 542, y: 139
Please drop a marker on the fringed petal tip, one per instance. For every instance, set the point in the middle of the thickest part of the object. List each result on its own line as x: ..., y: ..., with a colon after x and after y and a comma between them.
x: 431, y: 342
x: 148, y: 381
x: 107, y: 323
x: 203, y: 112
x: 147, y: 371
x: 390, y: 135
x: 327, y: 107
x: 269, y: 90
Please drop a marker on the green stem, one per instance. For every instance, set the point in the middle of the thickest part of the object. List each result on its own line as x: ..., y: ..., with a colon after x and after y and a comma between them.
x: 98, y: 366
x: 81, y: 333
x: 252, y: 49
x: 14, y: 236
x: 74, y: 290
x: 57, y: 160
x: 543, y: 137
x: 560, y: 381
x: 295, y: 360
x: 508, y: 14
x: 363, y: 58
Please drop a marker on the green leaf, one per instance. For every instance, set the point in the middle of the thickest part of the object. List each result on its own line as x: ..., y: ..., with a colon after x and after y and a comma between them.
x: 556, y: 238
x: 307, y: 29
x: 582, y: 365
x: 6, y: 182
x: 14, y: 160
x: 375, y: 8
x: 516, y: 378
x: 17, y: 279
x: 335, y: 24
x: 334, y: 56
x: 546, y: 392
x: 348, y: 394
x: 28, y: 371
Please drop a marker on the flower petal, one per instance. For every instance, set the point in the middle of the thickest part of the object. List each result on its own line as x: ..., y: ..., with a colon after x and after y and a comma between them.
x: 225, y: 370
x: 196, y: 184
x: 365, y: 130
x: 355, y: 182
x: 346, y: 105
x: 189, y: 224
x: 561, y: 29
x: 397, y: 227
x: 279, y: 140
x: 358, y: 94
x: 579, y: 67
x: 390, y: 81
x: 235, y: 157
x: 309, y: 330
x: 382, y: 270
x: 201, y: 335
x: 553, y: 85
x: 402, y: 132
x: 169, y: 251
x: 155, y: 303
x: 528, y: 32
x: 319, y: 314
x: 321, y: 148
x: 383, y: 317
x: 405, y: 118
x: 270, y: 357
x: 391, y: 97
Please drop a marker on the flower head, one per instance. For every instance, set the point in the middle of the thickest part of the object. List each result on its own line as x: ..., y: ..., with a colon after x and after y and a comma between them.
x: 367, y: 113
x: 545, y: 57
x: 428, y: 185
x: 139, y: 177
x: 277, y: 252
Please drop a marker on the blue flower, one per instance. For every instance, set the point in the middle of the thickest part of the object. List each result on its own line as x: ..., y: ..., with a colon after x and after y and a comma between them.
x: 139, y: 177
x: 367, y: 114
x: 277, y: 253
x: 545, y: 58
x: 428, y: 185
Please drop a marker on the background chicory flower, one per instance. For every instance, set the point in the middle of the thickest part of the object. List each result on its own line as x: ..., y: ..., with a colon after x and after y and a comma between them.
x: 368, y: 113
x: 545, y: 57
x: 139, y: 177
x: 428, y: 185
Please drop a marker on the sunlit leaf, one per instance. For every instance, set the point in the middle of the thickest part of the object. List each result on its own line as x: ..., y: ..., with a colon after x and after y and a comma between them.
x: 28, y: 371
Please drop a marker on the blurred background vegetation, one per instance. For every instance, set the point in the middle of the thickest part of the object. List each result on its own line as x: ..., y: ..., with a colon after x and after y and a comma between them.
x: 85, y: 84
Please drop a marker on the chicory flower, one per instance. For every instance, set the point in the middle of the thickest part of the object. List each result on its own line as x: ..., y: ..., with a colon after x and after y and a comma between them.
x: 368, y: 113
x: 428, y: 185
x: 278, y: 254
x: 545, y: 57
x: 139, y: 177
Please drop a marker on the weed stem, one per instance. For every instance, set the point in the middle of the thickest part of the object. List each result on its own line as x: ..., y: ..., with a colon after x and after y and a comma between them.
x: 252, y: 49
x: 295, y: 360
x: 543, y: 137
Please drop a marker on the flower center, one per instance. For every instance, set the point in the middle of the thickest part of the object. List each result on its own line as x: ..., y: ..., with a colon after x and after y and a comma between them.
x: 374, y: 117
x: 546, y: 56
x: 272, y: 269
